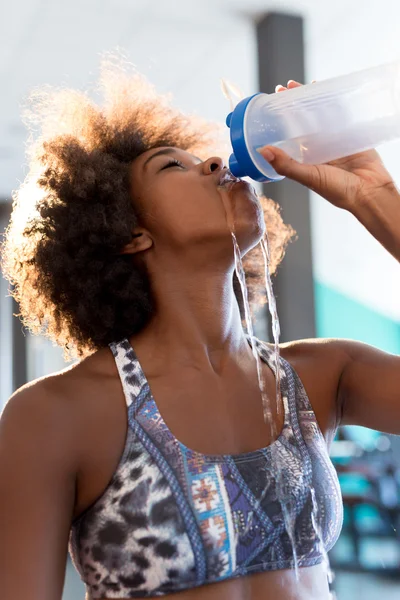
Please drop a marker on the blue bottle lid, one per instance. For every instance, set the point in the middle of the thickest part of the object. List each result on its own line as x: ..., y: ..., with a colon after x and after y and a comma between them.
x: 240, y: 162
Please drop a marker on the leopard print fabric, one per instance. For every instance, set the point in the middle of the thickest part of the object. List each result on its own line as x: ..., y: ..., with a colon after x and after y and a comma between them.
x: 172, y: 518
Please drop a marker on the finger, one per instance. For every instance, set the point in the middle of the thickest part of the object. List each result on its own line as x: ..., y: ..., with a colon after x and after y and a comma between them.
x: 280, y: 88
x: 308, y: 175
x: 293, y: 84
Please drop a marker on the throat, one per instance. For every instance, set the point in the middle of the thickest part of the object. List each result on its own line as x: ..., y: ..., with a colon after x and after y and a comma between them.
x: 218, y: 415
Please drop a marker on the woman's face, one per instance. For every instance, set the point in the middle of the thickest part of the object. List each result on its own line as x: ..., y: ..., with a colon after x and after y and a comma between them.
x: 183, y: 207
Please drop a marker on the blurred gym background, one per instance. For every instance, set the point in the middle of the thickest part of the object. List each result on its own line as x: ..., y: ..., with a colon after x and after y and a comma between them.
x: 335, y: 281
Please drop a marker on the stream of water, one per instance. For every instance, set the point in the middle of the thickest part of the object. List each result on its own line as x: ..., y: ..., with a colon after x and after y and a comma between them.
x: 277, y: 468
x: 283, y: 487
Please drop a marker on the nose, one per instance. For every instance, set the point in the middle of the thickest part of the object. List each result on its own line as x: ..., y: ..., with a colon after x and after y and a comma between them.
x: 213, y: 165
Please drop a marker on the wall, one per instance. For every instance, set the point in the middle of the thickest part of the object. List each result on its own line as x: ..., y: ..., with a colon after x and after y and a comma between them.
x: 357, y: 283
x: 182, y: 50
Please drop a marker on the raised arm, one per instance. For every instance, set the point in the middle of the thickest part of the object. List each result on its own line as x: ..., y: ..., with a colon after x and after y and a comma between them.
x: 37, y: 493
x: 368, y: 391
x: 348, y: 383
x: 369, y: 388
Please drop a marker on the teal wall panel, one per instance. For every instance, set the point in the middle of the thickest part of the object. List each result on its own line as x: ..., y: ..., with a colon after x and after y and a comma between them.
x: 339, y: 316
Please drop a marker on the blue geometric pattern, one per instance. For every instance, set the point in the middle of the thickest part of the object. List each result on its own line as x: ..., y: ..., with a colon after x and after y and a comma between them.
x: 173, y: 519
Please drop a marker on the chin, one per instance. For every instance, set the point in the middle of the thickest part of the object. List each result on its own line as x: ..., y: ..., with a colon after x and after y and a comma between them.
x: 244, y: 214
x: 248, y: 235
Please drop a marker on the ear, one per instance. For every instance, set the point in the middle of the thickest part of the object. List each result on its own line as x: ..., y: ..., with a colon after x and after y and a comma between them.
x: 140, y: 241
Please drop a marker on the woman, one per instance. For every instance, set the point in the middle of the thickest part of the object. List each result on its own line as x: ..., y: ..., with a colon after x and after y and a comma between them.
x: 150, y: 455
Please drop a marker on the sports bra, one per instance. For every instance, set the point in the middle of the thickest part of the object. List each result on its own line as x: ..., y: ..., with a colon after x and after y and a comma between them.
x: 172, y: 518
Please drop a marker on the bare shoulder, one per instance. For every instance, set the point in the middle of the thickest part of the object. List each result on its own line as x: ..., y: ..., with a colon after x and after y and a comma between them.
x: 39, y: 461
x: 42, y: 398
x: 327, y: 356
x: 319, y: 363
x: 321, y: 350
x: 39, y: 411
x: 50, y: 407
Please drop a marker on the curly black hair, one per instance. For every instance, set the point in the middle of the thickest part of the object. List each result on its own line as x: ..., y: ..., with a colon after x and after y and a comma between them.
x: 74, y: 213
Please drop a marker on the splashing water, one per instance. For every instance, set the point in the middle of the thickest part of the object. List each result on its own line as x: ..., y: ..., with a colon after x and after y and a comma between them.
x: 277, y: 460
x: 242, y: 280
x: 283, y: 494
x: 240, y: 273
x: 231, y: 91
x: 276, y: 330
x: 317, y: 529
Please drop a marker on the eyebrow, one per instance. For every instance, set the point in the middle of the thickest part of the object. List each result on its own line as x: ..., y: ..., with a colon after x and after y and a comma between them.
x: 164, y: 151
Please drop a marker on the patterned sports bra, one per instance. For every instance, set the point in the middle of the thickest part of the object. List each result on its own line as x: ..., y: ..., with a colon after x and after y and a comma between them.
x: 172, y: 518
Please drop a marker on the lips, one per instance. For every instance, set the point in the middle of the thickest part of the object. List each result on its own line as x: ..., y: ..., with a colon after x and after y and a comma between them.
x: 227, y: 178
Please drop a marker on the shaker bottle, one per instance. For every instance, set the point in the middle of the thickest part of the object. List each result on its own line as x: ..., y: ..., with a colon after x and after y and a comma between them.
x: 318, y: 122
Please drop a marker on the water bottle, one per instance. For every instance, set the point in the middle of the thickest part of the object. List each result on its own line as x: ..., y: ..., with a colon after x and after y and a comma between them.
x: 318, y: 122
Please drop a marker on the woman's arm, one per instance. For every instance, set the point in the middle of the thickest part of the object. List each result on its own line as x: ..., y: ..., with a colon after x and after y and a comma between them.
x: 368, y: 388
x: 37, y: 493
x: 359, y: 184
x: 348, y: 383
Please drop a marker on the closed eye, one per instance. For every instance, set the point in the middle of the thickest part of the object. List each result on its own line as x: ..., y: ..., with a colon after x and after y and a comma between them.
x: 173, y: 163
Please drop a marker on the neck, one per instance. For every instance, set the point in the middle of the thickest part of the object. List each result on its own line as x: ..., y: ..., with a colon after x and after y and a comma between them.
x: 197, y: 319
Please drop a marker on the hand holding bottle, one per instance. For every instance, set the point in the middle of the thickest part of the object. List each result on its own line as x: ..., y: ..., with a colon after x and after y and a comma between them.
x: 359, y: 183
x: 347, y: 183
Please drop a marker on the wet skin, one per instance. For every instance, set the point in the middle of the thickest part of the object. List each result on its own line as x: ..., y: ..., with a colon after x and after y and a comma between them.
x: 183, y: 233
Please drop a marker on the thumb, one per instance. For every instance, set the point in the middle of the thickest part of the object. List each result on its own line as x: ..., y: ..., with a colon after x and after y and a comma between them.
x: 308, y: 175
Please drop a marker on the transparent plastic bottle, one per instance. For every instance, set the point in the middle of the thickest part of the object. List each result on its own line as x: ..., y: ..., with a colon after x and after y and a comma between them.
x: 318, y: 122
